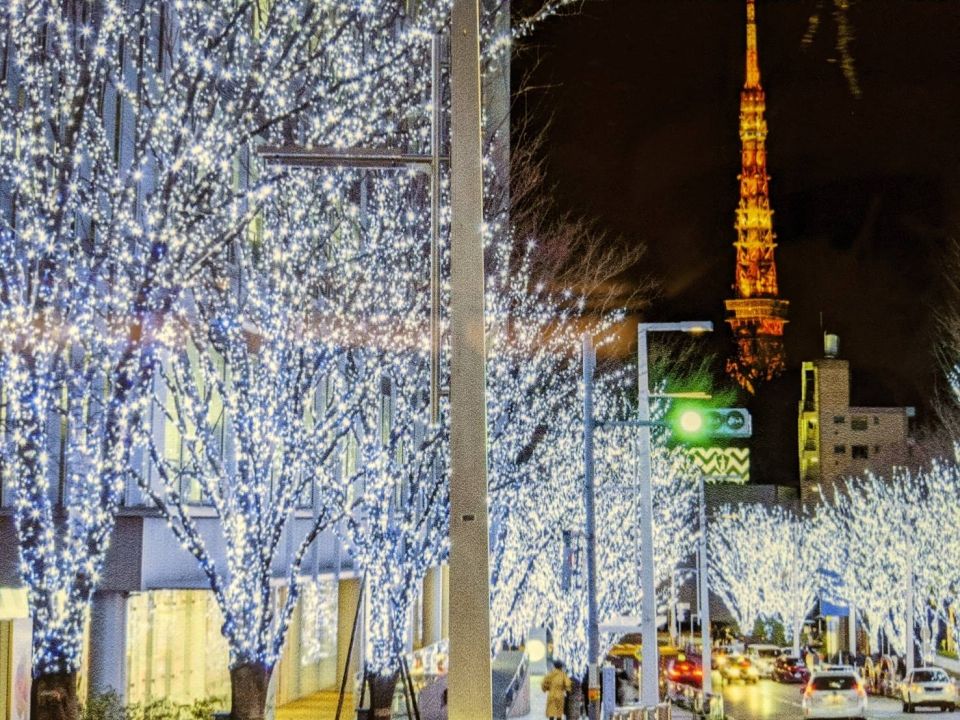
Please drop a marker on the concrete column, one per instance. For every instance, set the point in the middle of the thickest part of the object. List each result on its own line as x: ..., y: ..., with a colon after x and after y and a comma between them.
x: 108, y: 644
x: 433, y: 606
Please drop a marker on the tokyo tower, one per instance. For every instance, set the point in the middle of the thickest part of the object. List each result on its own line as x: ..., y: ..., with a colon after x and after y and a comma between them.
x: 756, y: 314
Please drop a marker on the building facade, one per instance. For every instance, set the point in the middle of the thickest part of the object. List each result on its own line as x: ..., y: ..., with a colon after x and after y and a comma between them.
x: 839, y: 440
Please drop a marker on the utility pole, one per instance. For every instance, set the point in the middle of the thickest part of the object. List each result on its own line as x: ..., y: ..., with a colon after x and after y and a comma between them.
x: 706, y: 659
x: 593, y: 627
x: 469, y: 690
x: 649, y: 680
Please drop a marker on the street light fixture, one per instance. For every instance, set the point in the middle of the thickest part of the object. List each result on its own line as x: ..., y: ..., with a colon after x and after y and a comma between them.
x: 649, y: 684
x: 643, y: 422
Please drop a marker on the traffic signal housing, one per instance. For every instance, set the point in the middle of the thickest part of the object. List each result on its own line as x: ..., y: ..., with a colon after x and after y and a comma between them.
x: 691, y: 423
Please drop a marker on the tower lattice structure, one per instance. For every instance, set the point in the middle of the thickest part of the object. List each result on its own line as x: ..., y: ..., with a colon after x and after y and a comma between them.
x: 756, y: 315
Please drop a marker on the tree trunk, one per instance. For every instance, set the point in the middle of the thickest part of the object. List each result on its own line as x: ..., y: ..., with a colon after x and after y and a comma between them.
x: 248, y: 690
x: 382, y: 688
x: 53, y: 696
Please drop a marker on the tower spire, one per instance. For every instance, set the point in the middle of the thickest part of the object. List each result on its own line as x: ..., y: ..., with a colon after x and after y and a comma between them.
x: 752, y: 78
x: 756, y: 315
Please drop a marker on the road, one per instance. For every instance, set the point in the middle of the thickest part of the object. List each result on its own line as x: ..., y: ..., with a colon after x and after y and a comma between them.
x: 768, y: 700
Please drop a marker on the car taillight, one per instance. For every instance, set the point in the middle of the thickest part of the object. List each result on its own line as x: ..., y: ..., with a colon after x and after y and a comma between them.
x: 698, y: 672
x: 860, y: 690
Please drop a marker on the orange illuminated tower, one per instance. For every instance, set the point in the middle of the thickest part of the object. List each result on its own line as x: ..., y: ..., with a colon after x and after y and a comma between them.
x: 756, y: 315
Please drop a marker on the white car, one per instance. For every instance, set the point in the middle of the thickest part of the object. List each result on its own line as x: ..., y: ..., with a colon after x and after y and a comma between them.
x: 763, y: 658
x: 838, y: 694
x: 928, y: 687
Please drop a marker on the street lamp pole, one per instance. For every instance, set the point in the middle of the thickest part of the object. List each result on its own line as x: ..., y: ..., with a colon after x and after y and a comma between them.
x: 649, y: 681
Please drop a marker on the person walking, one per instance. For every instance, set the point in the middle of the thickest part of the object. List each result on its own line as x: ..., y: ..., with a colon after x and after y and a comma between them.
x: 556, y: 684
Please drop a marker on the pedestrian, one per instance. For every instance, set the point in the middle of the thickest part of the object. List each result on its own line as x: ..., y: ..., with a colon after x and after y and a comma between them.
x: 556, y: 684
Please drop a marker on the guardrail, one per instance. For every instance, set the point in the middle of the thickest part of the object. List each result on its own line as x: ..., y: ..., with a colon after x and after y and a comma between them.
x: 520, y: 679
x: 663, y: 711
x: 693, y: 699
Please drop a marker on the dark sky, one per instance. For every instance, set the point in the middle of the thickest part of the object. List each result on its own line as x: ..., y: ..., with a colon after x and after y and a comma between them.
x: 644, y: 99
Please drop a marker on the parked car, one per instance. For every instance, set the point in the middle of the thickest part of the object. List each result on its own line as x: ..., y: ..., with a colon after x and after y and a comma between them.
x: 763, y: 657
x: 930, y: 687
x: 838, y: 694
x: 738, y: 667
x: 685, y: 671
x: 790, y: 669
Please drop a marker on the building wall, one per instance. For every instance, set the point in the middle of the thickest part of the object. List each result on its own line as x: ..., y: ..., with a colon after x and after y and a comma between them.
x: 837, y: 440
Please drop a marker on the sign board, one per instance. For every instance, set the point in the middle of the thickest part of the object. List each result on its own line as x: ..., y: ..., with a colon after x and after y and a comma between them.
x: 732, y: 463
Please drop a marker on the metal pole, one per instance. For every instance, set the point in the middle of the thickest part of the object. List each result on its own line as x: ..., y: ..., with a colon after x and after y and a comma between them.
x: 469, y: 683
x: 706, y: 658
x: 593, y: 627
x: 649, y: 686
x: 435, y: 230
x: 909, y: 618
x: 852, y: 629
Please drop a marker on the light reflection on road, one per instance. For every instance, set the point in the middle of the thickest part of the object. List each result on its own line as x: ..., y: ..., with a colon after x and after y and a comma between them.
x: 764, y: 700
x: 768, y: 700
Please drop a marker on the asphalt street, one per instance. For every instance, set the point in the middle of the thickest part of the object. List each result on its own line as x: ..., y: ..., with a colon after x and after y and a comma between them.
x: 768, y: 700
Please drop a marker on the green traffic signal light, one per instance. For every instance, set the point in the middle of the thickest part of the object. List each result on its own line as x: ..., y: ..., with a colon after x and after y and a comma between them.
x: 691, y: 422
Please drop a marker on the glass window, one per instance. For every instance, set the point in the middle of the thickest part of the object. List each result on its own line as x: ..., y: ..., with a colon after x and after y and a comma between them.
x: 834, y: 682
x: 859, y: 452
x: 839, y: 419
x: 858, y: 422
x: 929, y: 676
x: 839, y: 449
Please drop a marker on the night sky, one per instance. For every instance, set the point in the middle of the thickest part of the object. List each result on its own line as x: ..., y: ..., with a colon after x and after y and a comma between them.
x: 643, y: 96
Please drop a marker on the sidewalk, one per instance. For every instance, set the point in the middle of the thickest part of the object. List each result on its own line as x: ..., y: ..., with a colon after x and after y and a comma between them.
x: 319, y: 706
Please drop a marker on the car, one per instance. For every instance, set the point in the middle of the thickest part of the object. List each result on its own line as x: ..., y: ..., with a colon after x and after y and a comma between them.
x: 763, y: 657
x: 685, y: 670
x: 928, y: 687
x: 738, y: 667
x: 790, y: 669
x: 838, y: 694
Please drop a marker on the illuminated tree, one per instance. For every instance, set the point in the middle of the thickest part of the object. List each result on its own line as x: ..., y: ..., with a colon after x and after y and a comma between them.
x: 740, y: 567
x: 792, y: 589
x: 883, y: 539
x: 261, y: 388
x: 127, y: 162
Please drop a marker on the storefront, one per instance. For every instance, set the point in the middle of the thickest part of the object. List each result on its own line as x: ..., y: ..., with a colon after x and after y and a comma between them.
x: 15, y: 653
x: 175, y: 651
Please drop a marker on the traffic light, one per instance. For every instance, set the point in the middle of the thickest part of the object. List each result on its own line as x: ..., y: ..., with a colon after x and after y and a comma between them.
x: 692, y: 423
